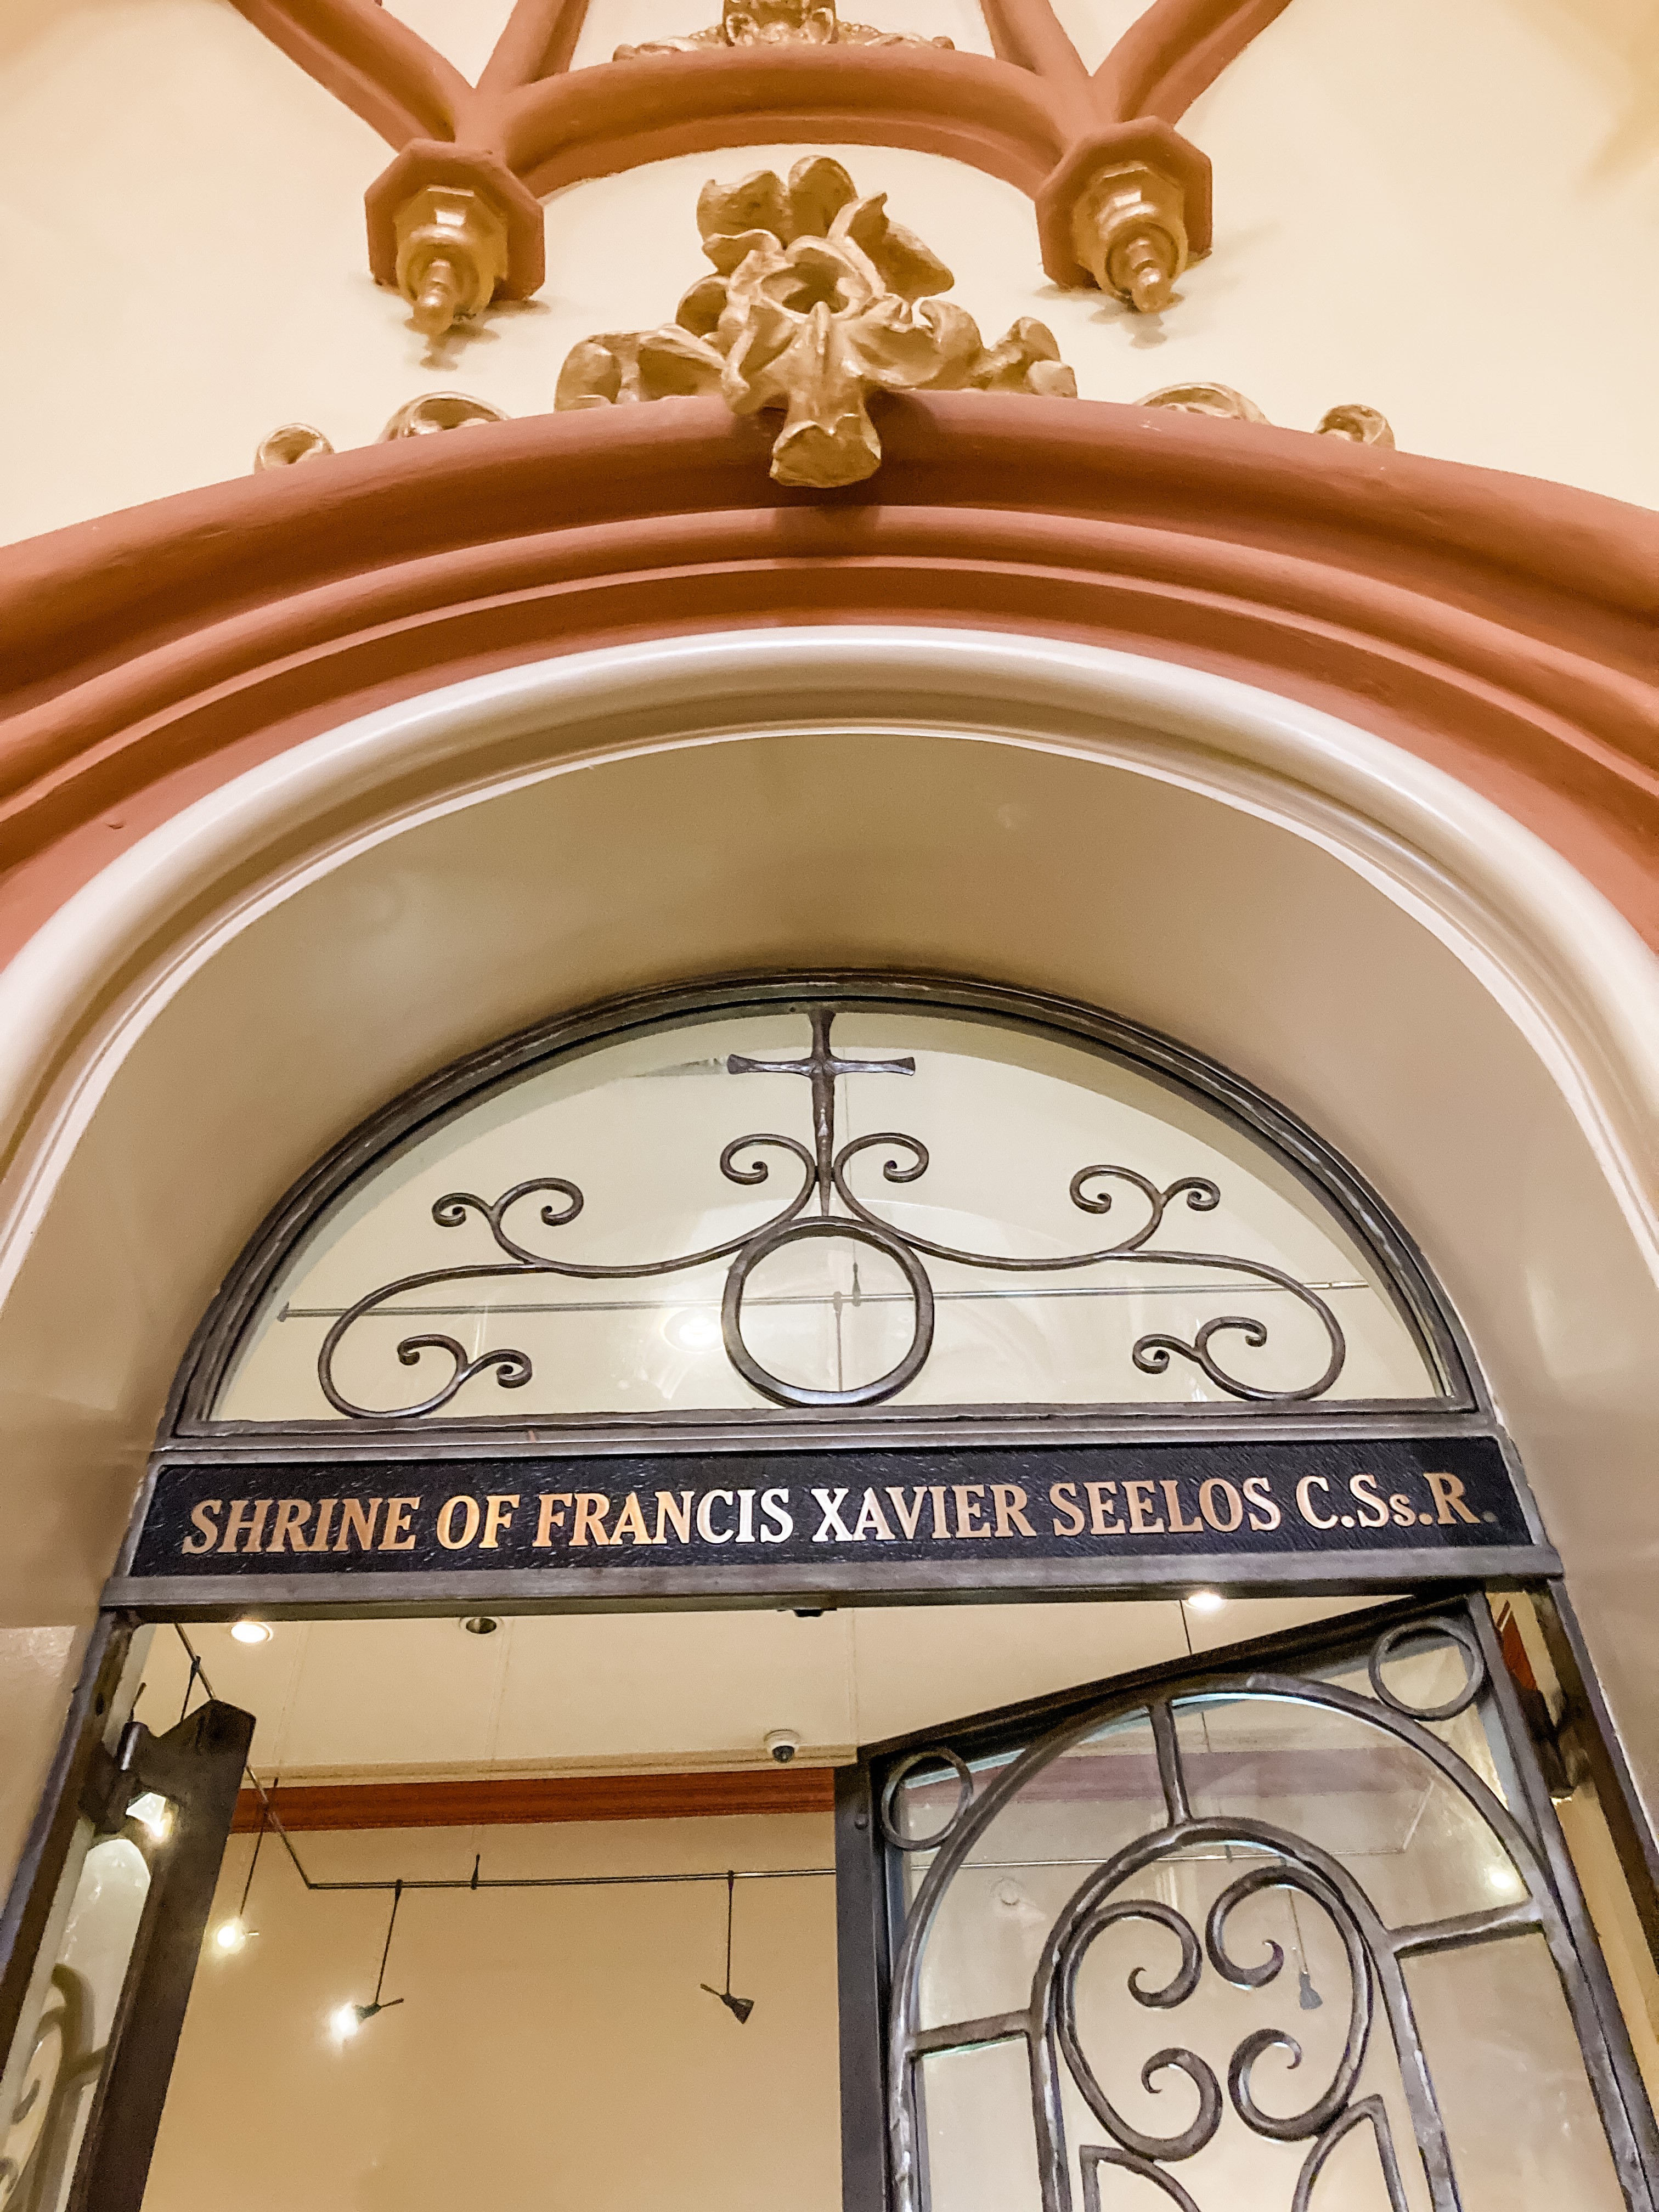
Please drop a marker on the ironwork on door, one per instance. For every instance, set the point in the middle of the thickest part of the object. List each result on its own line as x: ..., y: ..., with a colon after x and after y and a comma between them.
x: 1294, y: 1928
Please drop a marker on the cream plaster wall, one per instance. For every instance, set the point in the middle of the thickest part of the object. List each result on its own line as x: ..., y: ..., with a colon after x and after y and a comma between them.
x: 1449, y: 213
x: 554, y: 2048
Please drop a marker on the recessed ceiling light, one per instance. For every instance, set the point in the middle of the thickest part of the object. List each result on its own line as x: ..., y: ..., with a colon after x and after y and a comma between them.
x: 1206, y: 1600
x: 251, y: 1632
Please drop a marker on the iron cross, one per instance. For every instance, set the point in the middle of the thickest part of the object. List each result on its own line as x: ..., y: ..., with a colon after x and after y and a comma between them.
x: 821, y: 1067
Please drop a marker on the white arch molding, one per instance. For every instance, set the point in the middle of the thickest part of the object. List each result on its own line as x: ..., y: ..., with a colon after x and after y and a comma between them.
x: 1422, y: 979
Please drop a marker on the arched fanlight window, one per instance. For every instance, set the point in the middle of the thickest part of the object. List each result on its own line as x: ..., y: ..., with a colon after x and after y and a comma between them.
x: 824, y: 1194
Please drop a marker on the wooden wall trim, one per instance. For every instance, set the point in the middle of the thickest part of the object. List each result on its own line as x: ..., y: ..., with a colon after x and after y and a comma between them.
x: 535, y: 1801
x: 1497, y: 626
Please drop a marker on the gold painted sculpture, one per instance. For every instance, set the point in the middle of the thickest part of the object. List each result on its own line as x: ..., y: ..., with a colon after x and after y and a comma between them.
x: 1359, y: 425
x: 777, y: 23
x: 416, y: 418
x: 818, y: 299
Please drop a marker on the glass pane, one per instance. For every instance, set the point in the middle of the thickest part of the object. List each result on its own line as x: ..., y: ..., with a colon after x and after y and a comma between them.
x: 37, y: 2164
x: 1353, y: 1789
x: 976, y: 2112
x: 1005, y: 1144
x: 1510, y: 2080
x: 1073, y: 1814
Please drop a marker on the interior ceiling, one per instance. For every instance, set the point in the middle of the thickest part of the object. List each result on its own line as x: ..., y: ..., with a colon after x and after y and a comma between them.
x: 375, y: 1701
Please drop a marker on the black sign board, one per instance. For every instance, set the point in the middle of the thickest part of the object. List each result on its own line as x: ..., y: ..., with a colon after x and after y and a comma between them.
x: 1334, y: 1510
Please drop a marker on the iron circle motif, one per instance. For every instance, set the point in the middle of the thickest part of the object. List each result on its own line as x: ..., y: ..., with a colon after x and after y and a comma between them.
x: 796, y: 1232
x: 1391, y: 1638
x: 939, y: 1754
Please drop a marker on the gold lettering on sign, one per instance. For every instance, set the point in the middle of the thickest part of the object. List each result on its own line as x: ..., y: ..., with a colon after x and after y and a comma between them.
x: 871, y: 1521
x: 907, y: 1516
x: 358, y: 1516
x: 1448, y: 1499
x: 1265, y: 1516
x: 1137, y: 1496
x: 470, y: 1514
x: 1177, y: 1526
x: 936, y: 1491
x: 325, y: 1520
x: 1062, y: 1496
x: 249, y: 1514
x: 499, y: 1517
x: 1227, y: 1517
x: 547, y: 1520
x: 1305, y: 1490
x: 292, y: 1515
x: 1010, y: 1502
x: 203, y: 1519
x: 675, y: 1509
x: 1373, y: 1513
x: 706, y: 1527
x: 969, y: 1520
x: 630, y: 1522
x: 592, y: 1506
x: 398, y: 1510
x: 1098, y: 1524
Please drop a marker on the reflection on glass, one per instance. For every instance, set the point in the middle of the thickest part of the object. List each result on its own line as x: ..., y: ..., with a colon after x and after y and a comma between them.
x: 37, y: 2164
x: 638, y: 1126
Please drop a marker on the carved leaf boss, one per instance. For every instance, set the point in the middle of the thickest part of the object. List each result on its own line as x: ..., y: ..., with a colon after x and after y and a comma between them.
x: 819, y: 299
x: 827, y: 1206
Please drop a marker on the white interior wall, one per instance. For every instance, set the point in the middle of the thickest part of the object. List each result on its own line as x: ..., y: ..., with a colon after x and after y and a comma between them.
x: 554, y: 2048
x: 1441, y: 211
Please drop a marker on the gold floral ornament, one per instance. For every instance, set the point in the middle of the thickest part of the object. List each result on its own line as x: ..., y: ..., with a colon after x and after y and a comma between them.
x: 818, y: 299
x: 778, y: 23
x: 1359, y: 425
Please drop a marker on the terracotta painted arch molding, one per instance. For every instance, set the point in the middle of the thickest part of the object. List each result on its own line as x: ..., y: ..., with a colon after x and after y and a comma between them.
x: 1123, y: 201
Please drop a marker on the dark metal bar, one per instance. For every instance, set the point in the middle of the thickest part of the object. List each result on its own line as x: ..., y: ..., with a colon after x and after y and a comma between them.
x: 862, y: 1977
x: 364, y: 1596
x: 198, y: 1766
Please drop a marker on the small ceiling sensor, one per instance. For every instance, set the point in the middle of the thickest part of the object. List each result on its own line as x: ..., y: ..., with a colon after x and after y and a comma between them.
x: 251, y: 1632
x: 480, y: 1624
x: 782, y: 1744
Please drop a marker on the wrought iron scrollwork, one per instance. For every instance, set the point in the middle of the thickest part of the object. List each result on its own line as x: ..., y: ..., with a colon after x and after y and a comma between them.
x: 842, y: 1215
x: 1111, y: 1899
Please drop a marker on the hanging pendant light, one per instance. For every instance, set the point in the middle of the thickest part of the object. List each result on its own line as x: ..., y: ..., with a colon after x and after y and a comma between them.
x: 349, y: 2018
x: 739, y: 2007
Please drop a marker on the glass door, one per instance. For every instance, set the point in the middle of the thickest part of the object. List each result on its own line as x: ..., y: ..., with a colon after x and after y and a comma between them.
x: 1288, y: 1928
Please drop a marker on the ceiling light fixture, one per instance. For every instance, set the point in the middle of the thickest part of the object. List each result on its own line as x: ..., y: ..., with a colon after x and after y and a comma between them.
x: 346, y: 2019
x: 1206, y: 1600
x: 739, y: 2007
x: 153, y: 1814
x: 251, y: 1632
